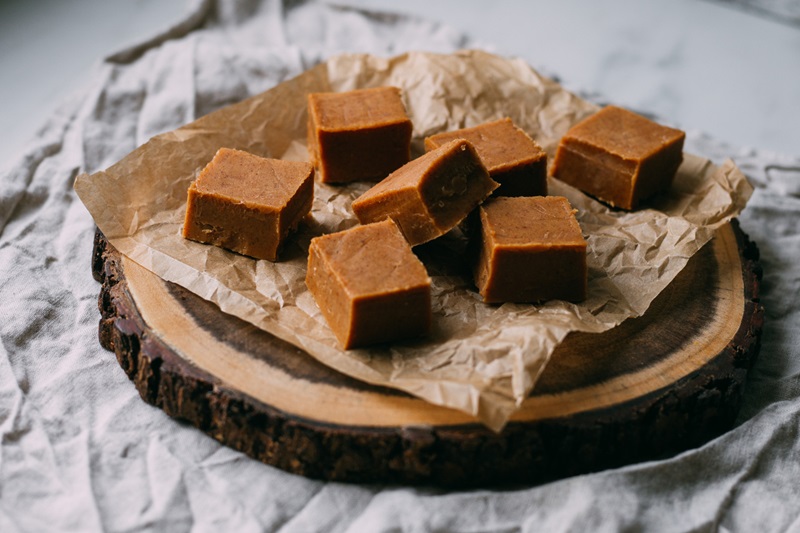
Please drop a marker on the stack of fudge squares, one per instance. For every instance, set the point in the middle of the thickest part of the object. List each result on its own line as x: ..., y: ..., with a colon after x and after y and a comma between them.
x: 527, y: 247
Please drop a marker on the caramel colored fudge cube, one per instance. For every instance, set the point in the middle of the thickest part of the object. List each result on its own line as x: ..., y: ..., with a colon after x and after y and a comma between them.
x: 430, y: 195
x: 513, y: 159
x: 619, y: 157
x: 369, y: 285
x: 248, y: 204
x: 360, y: 135
x: 531, y: 249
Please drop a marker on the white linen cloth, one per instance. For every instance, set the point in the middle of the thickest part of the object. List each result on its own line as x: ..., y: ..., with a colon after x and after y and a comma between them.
x: 79, y: 449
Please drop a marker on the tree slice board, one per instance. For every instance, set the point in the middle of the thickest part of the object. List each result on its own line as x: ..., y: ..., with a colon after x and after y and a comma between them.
x: 656, y: 385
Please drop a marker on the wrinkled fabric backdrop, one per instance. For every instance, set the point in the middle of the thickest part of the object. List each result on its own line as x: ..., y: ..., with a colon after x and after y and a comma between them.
x: 81, y: 451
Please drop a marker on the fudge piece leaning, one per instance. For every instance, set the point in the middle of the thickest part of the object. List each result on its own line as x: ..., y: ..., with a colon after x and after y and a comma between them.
x: 513, y: 159
x: 619, y: 157
x: 248, y: 204
x: 530, y: 249
x: 430, y: 195
x: 360, y: 135
x: 369, y: 285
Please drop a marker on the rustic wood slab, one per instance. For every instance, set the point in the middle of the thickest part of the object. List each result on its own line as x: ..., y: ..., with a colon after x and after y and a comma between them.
x: 654, y: 386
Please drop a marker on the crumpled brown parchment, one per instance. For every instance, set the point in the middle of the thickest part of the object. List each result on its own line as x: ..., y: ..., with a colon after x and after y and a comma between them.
x: 481, y: 359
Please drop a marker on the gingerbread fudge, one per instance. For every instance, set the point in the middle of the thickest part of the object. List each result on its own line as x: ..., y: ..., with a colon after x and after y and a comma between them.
x: 530, y: 249
x: 369, y: 285
x: 430, y: 195
x: 513, y: 159
x: 248, y: 204
x: 619, y: 157
x: 360, y: 135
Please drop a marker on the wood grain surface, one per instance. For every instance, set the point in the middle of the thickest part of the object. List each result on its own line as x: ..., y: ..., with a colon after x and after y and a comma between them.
x: 654, y: 386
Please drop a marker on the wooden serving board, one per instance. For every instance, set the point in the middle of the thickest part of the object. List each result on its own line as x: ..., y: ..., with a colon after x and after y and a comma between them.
x: 653, y: 386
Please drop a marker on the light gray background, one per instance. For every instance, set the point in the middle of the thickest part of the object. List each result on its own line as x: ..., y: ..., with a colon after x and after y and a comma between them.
x: 704, y: 66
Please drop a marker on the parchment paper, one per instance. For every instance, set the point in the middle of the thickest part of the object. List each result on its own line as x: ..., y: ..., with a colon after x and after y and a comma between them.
x: 480, y: 359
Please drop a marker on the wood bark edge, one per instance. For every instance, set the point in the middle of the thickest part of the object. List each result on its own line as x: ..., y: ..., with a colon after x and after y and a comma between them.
x: 681, y: 416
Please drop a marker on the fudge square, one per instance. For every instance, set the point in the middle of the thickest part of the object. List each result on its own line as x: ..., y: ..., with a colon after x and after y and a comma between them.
x: 360, y: 135
x: 513, y: 159
x: 619, y: 157
x: 369, y: 285
x: 248, y: 204
x: 430, y: 195
x: 530, y: 249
